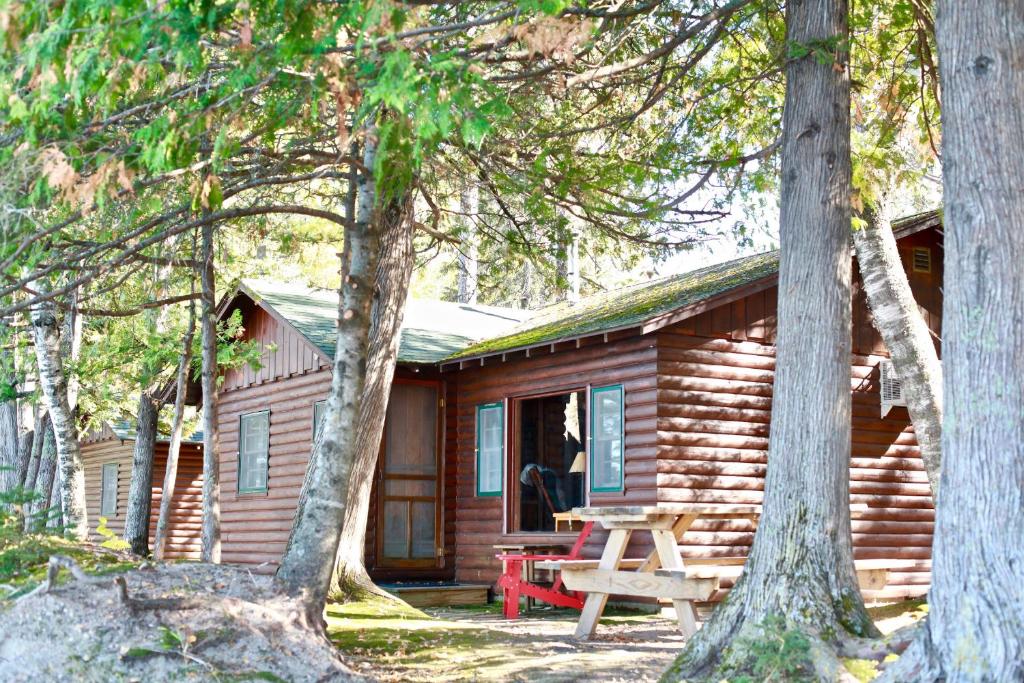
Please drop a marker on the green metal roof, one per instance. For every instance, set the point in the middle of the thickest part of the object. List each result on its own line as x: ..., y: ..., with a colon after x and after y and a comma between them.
x: 627, y: 307
x: 431, y: 330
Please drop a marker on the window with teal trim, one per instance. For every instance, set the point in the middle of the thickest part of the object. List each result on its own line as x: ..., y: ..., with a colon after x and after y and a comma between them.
x: 607, y: 420
x: 490, y: 448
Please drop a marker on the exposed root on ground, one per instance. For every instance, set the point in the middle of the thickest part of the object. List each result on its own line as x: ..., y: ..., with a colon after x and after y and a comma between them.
x: 162, y: 622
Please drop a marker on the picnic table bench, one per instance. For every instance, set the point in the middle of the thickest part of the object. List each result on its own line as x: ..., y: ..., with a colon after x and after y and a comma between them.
x: 664, y: 573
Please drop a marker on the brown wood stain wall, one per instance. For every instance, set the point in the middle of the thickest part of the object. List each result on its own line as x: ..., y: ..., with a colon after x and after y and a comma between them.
x: 186, y: 510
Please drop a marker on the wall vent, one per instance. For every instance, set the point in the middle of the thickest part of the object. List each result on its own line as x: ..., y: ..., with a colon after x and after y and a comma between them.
x: 891, y: 389
x: 922, y: 260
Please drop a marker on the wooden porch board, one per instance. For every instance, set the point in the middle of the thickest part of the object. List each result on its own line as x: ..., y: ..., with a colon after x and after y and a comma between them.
x: 442, y: 596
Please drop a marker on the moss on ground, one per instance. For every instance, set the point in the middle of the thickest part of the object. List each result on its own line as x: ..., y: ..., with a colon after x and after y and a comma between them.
x: 863, y: 670
x: 24, y: 560
x: 914, y: 608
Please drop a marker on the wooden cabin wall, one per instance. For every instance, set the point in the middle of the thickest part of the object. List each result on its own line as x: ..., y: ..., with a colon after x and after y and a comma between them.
x: 715, y: 375
x: 630, y: 361
x: 186, y: 511
x: 255, y: 526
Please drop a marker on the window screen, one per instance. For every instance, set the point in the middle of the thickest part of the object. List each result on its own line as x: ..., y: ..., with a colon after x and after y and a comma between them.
x: 253, y: 447
x: 108, y: 490
x: 490, y: 442
x: 606, y: 439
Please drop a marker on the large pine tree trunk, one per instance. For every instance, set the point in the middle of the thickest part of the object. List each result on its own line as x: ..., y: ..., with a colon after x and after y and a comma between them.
x: 391, y: 291
x: 308, y: 563
x: 800, y: 568
x: 174, y: 449
x: 975, y: 628
x: 140, y: 490
x: 54, y: 383
x: 9, y: 465
x: 36, y: 445
x: 905, y: 333
x: 211, y: 437
x: 25, y: 456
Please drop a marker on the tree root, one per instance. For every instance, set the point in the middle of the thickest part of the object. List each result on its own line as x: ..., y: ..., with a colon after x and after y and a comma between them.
x: 63, y: 562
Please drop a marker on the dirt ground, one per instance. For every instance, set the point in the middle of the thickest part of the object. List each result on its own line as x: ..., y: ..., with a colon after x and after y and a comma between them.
x: 477, y: 644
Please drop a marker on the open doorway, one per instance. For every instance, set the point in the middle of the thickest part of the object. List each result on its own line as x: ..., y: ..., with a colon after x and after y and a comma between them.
x: 550, y: 459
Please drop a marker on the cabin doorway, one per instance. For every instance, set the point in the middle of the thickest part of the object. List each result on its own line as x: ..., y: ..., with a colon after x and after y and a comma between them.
x: 409, y: 488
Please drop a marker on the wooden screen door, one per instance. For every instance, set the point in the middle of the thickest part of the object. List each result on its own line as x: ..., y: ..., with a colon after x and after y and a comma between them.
x: 409, y: 484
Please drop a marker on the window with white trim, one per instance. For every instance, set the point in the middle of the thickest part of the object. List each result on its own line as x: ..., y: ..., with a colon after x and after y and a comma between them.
x: 253, y: 451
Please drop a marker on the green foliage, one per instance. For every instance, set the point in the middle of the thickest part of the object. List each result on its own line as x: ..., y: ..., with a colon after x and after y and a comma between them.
x: 24, y: 559
x: 110, y: 539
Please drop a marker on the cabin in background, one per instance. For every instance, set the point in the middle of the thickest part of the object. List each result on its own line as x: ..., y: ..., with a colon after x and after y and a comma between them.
x: 107, y: 459
x: 657, y: 392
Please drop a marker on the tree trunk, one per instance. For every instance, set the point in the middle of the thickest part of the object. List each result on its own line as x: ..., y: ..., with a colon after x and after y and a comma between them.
x: 975, y: 629
x: 54, y: 384
x: 9, y: 446
x: 55, y: 509
x: 211, y: 445
x: 24, y: 456
x: 174, y: 449
x: 800, y: 571
x: 306, y: 568
x: 905, y: 333
x: 468, y: 265
x: 32, y: 471
x: 45, y: 453
x: 392, y: 289
x: 140, y: 492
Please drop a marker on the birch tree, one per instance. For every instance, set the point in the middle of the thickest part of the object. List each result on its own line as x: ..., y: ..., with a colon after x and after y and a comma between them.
x: 800, y: 575
x: 975, y: 626
x: 54, y: 384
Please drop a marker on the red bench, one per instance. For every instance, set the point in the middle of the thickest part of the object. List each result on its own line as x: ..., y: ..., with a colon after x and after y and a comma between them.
x: 514, y: 585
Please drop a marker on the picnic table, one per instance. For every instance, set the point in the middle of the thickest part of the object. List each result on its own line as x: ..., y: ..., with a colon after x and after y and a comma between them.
x: 662, y: 574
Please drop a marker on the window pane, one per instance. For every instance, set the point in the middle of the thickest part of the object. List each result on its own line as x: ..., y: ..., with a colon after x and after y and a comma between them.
x: 319, y: 409
x: 396, y: 529
x: 422, y: 529
x: 108, y: 490
x: 254, y: 444
x: 607, y: 438
x: 490, y: 447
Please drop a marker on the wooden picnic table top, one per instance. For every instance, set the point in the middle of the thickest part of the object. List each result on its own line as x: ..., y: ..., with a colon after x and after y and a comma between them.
x: 676, y: 509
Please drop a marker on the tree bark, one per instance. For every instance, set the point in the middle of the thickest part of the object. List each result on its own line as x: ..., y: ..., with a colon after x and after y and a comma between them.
x: 54, y: 383
x: 905, y: 333
x: 211, y: 441
x: 174, y: 449
x: 45, y: 452
x: 140, y: 491
x: 9, y: 450
x: 32, y: 471
x: 24, y: 456
x: 800, y: 568
x: 975, y: 628
x: 308, y: 562
x: 469, y: 204
x: 391, y: 292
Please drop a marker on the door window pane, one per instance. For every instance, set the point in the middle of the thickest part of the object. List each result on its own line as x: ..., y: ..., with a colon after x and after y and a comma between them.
x: 253, y: 450
x: 422, y: 530
x: 607, y: 439
x: 396, y: 529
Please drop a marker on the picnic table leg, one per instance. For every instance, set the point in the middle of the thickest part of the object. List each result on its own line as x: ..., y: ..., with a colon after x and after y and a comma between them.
x: 680, y: 527
x: 668, y: 552
x: 614, y: 549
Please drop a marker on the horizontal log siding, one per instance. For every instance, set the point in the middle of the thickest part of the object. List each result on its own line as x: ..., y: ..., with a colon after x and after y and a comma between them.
x: 186, y: 512
x: 714, y: 409
x: 630, y: 361
x: 255, y: 526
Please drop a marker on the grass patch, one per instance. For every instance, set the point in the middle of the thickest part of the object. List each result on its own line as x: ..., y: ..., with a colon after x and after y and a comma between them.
x: 374, y: 607
x: 863, y: 670
x: 917, y: 608
x: 24, y: 559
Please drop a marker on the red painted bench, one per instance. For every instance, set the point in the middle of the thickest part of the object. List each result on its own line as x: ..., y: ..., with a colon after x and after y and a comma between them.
x: 514, y: 586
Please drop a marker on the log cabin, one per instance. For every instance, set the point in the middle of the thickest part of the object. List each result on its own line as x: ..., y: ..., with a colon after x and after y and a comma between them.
x: 107, y: 459
x: 653, y: 393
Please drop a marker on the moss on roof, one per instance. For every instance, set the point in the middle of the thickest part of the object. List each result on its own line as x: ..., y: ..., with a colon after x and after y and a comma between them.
x: 629, y: 306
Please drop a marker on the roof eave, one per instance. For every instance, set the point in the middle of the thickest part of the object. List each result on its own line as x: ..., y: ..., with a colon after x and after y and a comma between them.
x: 644, y: 327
